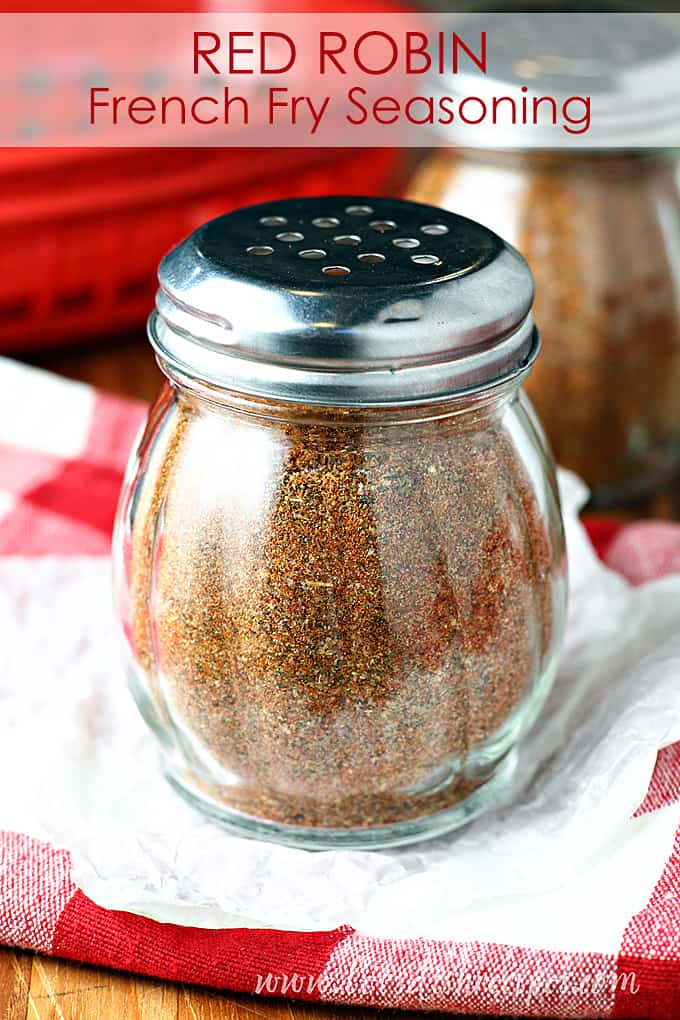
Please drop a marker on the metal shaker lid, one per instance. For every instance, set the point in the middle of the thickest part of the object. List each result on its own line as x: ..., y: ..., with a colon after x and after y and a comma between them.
x: 345, y: 301
x: 626, y: 61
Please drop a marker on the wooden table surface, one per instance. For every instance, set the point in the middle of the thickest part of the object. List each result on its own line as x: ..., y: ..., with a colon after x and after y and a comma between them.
x: 39, y: 988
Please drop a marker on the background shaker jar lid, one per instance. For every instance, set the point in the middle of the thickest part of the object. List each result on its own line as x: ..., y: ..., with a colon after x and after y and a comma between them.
x: 625, y: 59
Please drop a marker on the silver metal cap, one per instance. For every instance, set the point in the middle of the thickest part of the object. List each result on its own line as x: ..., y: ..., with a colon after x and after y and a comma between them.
x: 344, y: 301
x: 628, y: 63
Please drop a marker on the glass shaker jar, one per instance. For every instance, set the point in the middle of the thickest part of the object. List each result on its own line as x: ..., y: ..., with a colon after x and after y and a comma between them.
x: 600, y: 231
x: 598, y: 221
x: 339, y: 552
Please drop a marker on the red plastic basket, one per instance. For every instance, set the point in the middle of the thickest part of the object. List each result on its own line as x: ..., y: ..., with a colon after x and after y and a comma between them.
x: 83, y: 230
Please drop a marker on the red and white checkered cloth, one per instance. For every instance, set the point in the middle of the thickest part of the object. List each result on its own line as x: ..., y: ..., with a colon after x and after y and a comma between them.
x: 63, y: 449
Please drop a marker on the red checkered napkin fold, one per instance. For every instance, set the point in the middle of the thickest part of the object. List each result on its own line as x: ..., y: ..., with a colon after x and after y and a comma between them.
x: 63, y: 448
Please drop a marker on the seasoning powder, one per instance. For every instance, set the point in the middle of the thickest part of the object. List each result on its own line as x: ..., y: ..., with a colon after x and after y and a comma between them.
x: 594, y: 229
x: 334, y: 615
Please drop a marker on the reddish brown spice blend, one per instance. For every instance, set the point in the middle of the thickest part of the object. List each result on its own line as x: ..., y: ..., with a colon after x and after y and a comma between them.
x: 334, y: 613
x: 598, y: 232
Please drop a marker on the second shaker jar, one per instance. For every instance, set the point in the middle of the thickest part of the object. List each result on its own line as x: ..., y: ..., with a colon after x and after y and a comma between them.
x: 600, y: 231
x: 339, y: 552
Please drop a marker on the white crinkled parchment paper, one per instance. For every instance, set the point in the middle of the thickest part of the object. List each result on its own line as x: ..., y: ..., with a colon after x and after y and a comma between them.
x: 80, y: 771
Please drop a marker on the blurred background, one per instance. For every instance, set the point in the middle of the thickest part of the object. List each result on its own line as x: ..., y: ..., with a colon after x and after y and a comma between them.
x: 84, y: 230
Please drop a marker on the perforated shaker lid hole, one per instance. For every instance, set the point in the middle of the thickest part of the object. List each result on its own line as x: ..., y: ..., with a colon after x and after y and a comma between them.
x: 359, y: 210
x: 326, y: 222
x: 383, y: 226
x: 426, y: 260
